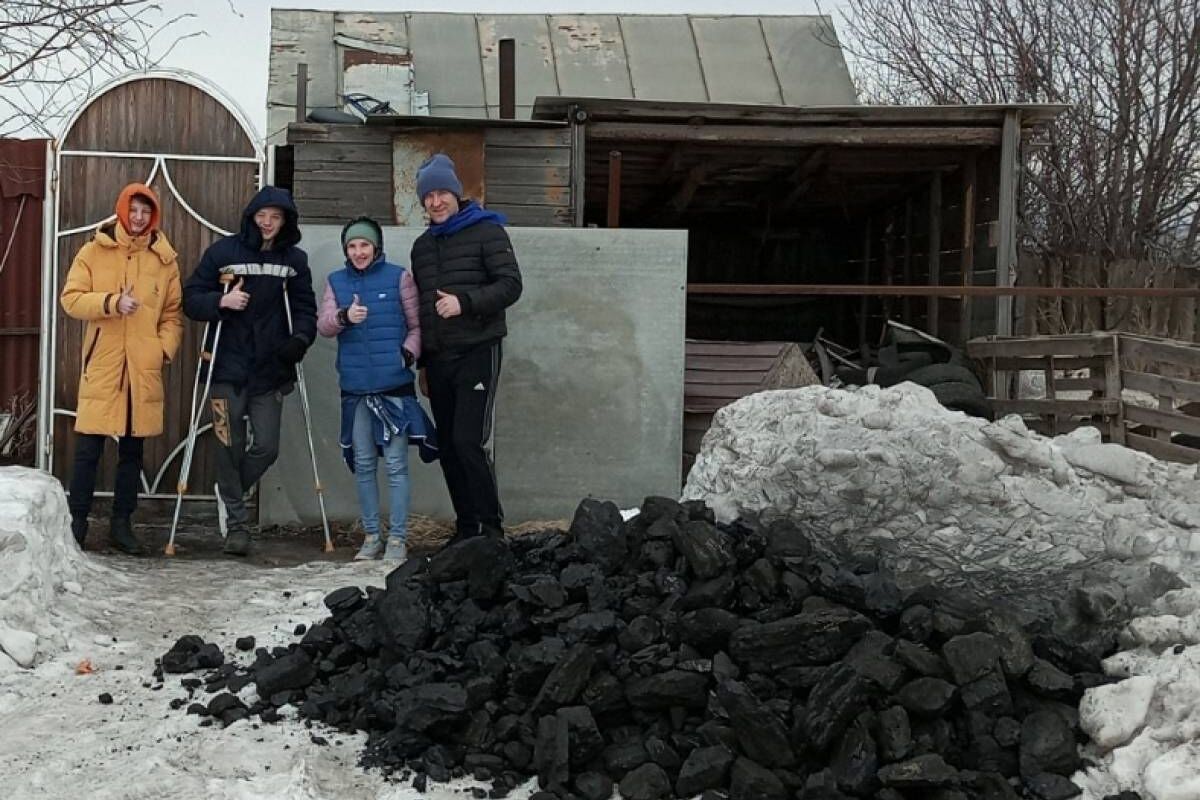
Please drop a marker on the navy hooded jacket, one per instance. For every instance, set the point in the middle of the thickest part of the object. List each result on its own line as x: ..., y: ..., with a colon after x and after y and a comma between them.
x: 250, y: 339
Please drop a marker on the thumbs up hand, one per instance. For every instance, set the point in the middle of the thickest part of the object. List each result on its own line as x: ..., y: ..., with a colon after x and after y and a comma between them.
x: 127, y: 303
x: 357, y: 312
x: 235, y: 299
x: 448, y: 305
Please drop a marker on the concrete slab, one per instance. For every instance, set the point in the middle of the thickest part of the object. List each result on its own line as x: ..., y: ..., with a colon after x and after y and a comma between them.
x: 591, y: 392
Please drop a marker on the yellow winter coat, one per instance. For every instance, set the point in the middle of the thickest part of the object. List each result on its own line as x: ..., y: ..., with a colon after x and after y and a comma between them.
x: 123, y: 356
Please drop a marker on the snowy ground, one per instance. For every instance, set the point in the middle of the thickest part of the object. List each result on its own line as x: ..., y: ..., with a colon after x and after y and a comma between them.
x: 120, y: 614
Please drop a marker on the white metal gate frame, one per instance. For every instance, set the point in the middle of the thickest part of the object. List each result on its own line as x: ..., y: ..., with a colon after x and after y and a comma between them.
x: 52, y: 236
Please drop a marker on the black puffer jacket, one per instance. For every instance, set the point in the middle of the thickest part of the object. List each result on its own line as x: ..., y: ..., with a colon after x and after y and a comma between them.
x: 250, y: 338
x: 477, y: 265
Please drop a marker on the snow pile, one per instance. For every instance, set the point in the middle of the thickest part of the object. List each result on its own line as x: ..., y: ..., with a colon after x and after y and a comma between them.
x: 1145, y: 730
x: 958, y: 495
x: 39, y: 560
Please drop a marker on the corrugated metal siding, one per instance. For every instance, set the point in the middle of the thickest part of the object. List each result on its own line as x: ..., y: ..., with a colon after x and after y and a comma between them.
x: 779, y: 59
x: 22, y: 186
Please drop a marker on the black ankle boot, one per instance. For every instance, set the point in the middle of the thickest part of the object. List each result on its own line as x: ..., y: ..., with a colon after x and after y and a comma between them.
x: 79, y: 527
x: 123, y: 539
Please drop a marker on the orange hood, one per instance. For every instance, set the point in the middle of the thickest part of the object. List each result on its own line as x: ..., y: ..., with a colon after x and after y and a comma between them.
x: 126, y: 197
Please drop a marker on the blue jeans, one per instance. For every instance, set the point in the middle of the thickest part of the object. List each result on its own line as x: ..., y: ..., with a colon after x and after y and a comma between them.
x: 395, y: 459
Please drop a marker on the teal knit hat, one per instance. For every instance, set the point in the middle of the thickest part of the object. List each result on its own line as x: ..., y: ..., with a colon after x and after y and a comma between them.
x: 362, y: 229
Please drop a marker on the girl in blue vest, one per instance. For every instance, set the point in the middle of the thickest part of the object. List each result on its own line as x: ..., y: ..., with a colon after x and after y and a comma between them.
x: 371, y: 307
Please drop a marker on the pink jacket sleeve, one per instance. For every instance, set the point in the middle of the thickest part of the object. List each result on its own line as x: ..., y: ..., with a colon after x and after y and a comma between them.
x: 408, y: 298
x: 327, y: 322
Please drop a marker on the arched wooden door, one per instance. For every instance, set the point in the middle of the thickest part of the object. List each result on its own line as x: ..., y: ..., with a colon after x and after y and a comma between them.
x: 200, y: 155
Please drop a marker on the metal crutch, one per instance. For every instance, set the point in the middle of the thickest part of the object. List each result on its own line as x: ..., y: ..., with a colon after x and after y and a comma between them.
x: 312, y: 453
x: 194, y: 419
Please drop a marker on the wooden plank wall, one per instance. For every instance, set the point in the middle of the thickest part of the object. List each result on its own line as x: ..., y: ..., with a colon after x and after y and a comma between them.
x: 342, y: 171
x: 528, y: 175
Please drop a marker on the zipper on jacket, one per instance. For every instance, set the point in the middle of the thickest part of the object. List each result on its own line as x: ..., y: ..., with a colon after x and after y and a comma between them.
x: 87, y: 359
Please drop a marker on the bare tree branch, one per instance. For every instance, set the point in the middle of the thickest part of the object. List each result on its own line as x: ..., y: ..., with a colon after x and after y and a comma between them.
x: 54, y: 52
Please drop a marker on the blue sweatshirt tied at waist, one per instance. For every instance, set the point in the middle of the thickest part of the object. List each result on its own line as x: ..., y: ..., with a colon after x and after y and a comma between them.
x: 391, y: 416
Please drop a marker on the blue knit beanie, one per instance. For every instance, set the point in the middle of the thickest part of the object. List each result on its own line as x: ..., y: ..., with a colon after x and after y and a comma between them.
x: 438, y: 173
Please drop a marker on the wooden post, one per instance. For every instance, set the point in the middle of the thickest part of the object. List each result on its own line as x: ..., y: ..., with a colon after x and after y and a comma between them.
x: 934, y: 247
x: 906, y: 303
x: 889, y: 260
x: 578, y: 149
x: 614, y: 188
x: 1006, y: 246
x: 864, y: 303
x: 1112, y: 390
x: 508, y: 79
x: 967, y: 259
x: 301, y: 92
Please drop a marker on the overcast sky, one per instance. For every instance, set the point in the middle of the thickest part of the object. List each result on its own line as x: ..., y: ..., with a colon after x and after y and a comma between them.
x: 231, y: 47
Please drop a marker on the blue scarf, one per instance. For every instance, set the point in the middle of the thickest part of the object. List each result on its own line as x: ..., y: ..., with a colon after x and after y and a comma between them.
x: 470, y: 213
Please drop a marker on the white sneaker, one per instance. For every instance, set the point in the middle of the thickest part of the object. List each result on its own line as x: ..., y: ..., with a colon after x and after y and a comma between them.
x: 222, y: 514
x: 396, y: 551
x: 372, y: 548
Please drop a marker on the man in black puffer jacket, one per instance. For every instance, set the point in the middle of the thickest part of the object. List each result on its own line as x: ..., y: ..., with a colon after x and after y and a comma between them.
x: 256, y: 357
x: 466, y: 275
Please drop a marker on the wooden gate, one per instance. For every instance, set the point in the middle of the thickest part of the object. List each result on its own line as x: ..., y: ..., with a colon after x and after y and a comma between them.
x: 200, y: 155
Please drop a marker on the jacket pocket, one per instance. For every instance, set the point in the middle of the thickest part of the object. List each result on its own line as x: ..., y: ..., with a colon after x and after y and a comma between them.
x: 87, y: 357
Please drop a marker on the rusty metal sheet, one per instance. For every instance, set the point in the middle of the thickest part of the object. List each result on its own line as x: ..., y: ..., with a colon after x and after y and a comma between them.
x: 387, y: 28
x: 411, y: 148
x: 445, y: 49
x: 737, y: 66
x: 589, y: 52
x: 535, y: 73
x: 811, y: 70
x: 663, y: 60
x: 22, y: 186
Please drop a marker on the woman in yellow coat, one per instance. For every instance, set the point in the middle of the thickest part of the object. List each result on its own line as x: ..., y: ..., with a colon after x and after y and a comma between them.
x: 125, y: 284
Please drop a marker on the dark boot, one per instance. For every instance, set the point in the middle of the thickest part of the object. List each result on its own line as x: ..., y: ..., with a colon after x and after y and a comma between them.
x: 123, y: 539
x: 79, y: 528
x: 237, y: 542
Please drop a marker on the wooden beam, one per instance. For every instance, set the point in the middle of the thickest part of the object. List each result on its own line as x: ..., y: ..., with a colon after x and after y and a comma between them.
x: 1006, y: 248
x: 734, y: 135
x: 967, y: 250
x: 672, y: 207
x: 802, y: 177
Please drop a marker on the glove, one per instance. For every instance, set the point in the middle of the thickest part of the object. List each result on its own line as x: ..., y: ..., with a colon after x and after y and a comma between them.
x: 292, y: 350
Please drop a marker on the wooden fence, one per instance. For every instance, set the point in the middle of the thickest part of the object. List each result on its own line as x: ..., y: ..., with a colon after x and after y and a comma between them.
x: 1101, y: 366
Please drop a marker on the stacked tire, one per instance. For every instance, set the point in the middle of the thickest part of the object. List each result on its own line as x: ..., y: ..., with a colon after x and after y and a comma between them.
x: 952, y: 382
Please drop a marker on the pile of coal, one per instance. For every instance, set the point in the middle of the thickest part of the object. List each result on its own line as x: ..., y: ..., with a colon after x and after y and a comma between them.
x: 673, y: 657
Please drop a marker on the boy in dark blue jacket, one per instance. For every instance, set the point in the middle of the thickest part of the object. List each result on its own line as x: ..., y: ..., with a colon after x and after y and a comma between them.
x: 254, y: 366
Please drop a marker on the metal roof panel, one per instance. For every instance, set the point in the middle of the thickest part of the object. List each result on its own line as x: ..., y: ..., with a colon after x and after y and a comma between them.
x: 589, y: 53
x: 737, y: 65
x: 445, y: 51
x: 663, y: 60
x: 808, y: 63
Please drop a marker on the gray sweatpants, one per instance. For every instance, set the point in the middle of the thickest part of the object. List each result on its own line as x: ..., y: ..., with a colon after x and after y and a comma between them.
x: 239, y: 467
